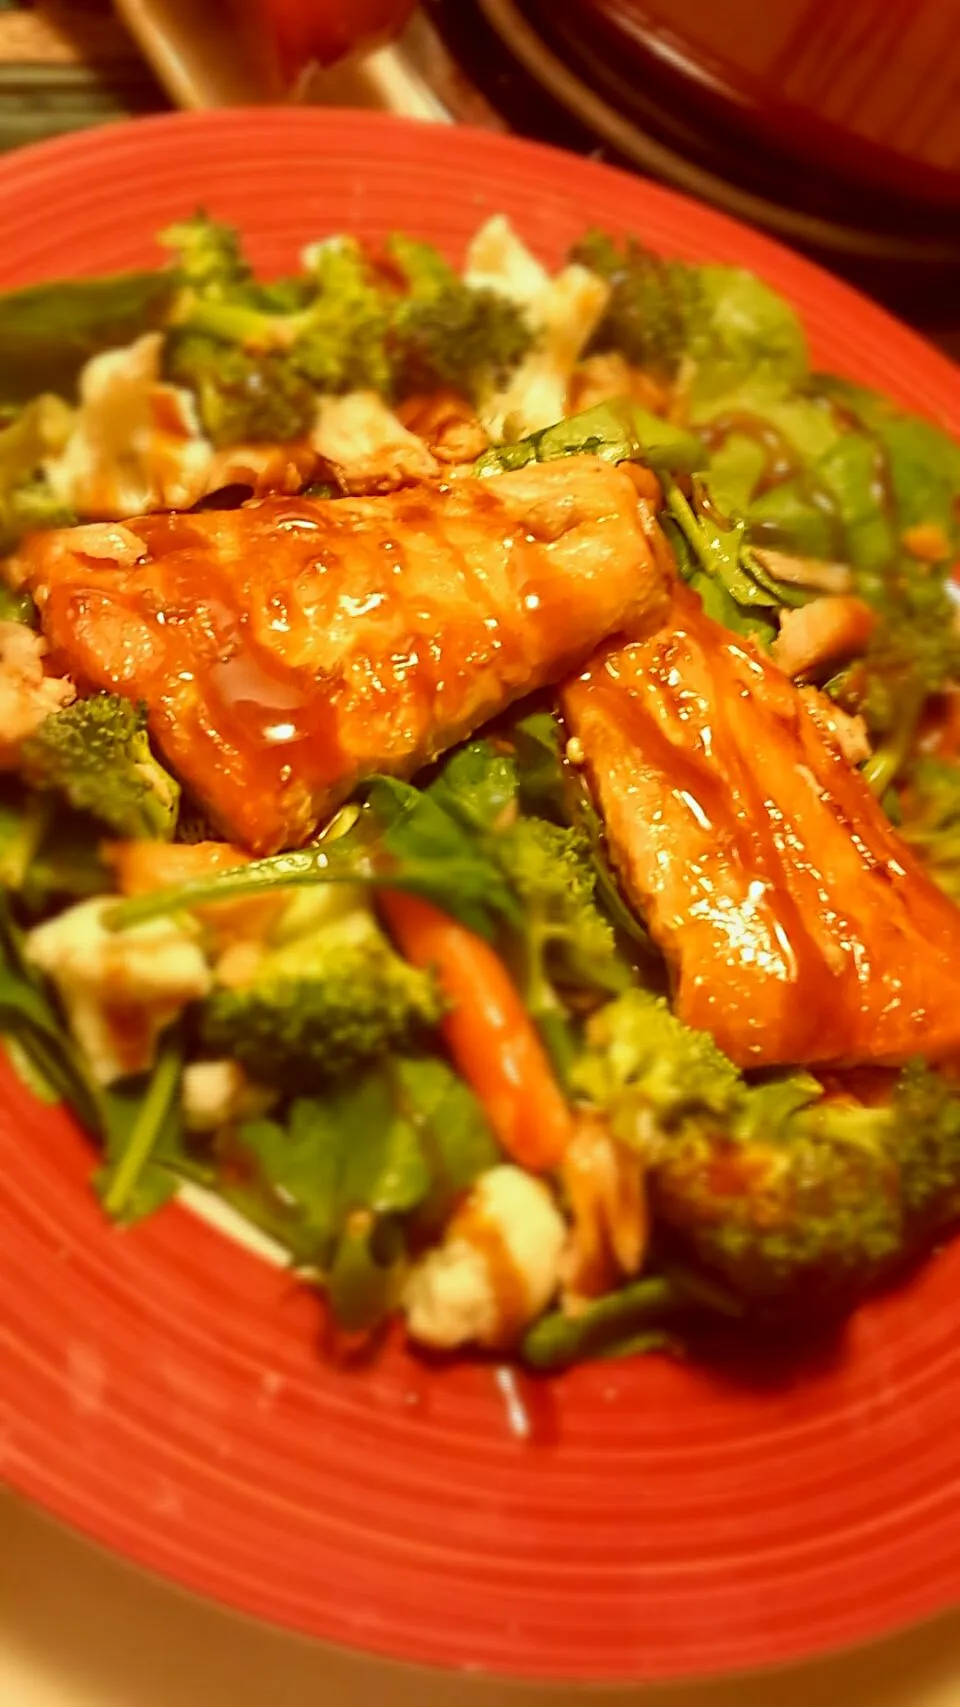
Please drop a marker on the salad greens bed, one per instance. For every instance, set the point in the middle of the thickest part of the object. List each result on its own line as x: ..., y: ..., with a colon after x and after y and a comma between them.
x: 314, y: 1093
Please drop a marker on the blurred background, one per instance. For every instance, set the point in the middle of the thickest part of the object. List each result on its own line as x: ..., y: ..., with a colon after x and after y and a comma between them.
x: 832, y: 124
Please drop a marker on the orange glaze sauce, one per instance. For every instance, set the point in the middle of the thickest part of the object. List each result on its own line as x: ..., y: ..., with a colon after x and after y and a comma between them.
x: 507, y: 1285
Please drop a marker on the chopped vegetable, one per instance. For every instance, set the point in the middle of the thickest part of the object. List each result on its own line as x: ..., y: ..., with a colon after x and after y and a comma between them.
x: 617, y: 432
x: 446, y: 334
x: 430, y: 1052
x: 329, y: 1000
x: 27, y: 500
x: 48, y: 331
x: 654, y: 304
x: 487, y: 1030
x: 96, y: 754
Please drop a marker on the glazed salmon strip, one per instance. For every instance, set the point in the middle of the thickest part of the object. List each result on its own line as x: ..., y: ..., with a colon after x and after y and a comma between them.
x: 288, y: 649
x: 797, y: 925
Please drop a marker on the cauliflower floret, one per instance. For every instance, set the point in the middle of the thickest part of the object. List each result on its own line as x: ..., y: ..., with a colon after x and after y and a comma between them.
x: 216, y: 1092
x: 497, y: 1268
x: 120, y: 989
x: 27, y: 695
x: 371, y: 450
x: 563, y: 312
x: 498, y: 260
x: 136, y: 443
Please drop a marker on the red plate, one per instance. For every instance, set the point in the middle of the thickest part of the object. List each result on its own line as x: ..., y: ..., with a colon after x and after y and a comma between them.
x: 161, y: 1388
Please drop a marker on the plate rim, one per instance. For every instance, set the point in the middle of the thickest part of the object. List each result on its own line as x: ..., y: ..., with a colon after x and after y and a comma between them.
x: 47, y: 156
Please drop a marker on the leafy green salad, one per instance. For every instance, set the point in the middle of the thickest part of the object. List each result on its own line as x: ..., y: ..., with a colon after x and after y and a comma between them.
x: 325, y: 1038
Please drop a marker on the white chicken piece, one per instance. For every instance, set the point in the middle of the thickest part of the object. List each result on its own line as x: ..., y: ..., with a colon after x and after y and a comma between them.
x: 497, y: 1268
x: 369, y: 448
x: 27, y: 693
x: 214, y: 1093
x: 563, y: 312
x: 120, y: 989
x: 136, y: 443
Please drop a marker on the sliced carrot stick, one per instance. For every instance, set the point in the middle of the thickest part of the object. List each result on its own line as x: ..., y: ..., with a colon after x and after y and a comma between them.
x: 491, y: 1037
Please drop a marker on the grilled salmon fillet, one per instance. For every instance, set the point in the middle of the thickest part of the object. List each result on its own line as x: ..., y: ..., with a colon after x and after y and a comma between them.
x: 797, y: 925
x: 290, y: 648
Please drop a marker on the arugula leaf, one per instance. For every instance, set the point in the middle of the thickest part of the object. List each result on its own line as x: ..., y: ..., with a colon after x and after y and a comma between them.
x: 285, y: 1176
x: 849, y: 472
x: 402, y: 838
x: 364, y: 1282
x: 46, y: 854
x: 553, y: 789
x: 17, y: 607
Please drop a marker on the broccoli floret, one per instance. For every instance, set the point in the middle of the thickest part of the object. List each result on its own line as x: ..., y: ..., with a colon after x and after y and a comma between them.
x: 930, y: 819
x: 791, y: 1195
x: 447, y: 335
x: 96, y: 754
x: 27, y: 500
x: 340, y: 343
x: 335, y: 997
x: 243, y: 397
x: 208, y: 255
x: 255, y: 356
x: 824, y: 1202
x: 341, y: 328
x: 336, y: 340
x: 643, y: 1061
x: 569, y: 942
x: 653, y: 307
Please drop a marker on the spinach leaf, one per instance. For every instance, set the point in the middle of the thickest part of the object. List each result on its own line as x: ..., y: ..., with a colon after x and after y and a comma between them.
x: 351, y: 1150
x: 618, y: 431
x: 453, y: 1132
x: 477, y: 784
x: 715, y: 566
x: 431, y: 853
x: 48, y: 331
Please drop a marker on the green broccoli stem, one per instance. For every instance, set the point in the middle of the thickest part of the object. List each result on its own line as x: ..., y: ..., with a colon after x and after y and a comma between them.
x: 234, y: 323
x: 560, y: 1339
x: 147, y: 1127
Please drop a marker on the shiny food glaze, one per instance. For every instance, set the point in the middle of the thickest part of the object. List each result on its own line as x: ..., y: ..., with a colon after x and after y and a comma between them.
x: 289, y: 648
x: 798, y: 926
